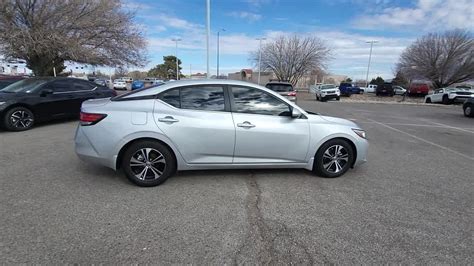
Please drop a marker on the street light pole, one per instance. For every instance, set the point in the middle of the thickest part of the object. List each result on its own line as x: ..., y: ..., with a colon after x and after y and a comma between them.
x: 208, y: 20
x: 259, y: 57
x: 176, y: 40
x: 218, y: 32
x: 368, y: 66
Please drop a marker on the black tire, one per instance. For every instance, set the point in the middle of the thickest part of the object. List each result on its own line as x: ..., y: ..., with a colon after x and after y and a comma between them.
x: 428, y: 100
x: 18, y: 119
x: 323, y: 99
x: 338, y: 98
x: 445, y: 99
x: 157, y: 150
x: 468, y: 112
x: 321, y: 161
x: 317, y: 98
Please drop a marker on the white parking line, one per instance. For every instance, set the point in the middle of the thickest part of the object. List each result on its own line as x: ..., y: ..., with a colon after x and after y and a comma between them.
x: 417, y: 125
x: 423, y: 140
x: 448, y: 126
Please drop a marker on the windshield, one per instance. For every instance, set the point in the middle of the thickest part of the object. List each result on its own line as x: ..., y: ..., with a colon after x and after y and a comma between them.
x: 26, y: 85
x: 280, y: 87
x: 325, y: 87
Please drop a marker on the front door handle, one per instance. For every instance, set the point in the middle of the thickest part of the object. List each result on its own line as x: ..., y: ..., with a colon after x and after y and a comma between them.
x: 168, y: 119
x: 246, y: 124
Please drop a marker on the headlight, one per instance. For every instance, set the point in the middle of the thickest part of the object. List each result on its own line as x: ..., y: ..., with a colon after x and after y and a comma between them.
x: 360, y: 133
x: 2, y: 103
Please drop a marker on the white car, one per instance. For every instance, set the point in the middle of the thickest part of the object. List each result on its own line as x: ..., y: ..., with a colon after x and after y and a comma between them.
x: 449, y: 95
x: 397, y: 90
x: 327, y: 91
x: 120, y: 84
x: 213, y: 124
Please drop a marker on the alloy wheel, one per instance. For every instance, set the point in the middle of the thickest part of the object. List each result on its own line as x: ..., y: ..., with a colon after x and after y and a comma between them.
x: 335, y: 158
x: 147, y: 164
x: 21, y: 119
x: 468, y: 111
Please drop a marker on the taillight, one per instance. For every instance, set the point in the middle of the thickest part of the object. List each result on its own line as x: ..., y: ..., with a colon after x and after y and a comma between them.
x: 292, y: 93
x: 88, y: 119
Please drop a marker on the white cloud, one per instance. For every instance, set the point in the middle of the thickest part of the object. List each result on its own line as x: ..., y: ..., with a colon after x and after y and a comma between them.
x: 249, y: 16
x: 426, y: 14
x: 257, y: 3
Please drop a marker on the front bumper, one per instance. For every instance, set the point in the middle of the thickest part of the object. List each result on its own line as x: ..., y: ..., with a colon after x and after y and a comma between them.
x: 362, y: 147
x: 459, y: 98
x: 329, y: 95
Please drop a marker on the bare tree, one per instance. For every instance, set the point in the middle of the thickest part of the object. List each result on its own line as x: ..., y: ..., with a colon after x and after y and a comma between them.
x: 443, y: 58
x: 46, y: 33
x: 290, y: 58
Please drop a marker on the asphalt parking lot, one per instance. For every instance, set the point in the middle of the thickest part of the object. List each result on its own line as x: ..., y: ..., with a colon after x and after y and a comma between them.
x: 411, y: 203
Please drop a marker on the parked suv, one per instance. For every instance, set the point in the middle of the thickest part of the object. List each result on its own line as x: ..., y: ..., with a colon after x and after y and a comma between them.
x: 327, y: 91
x: 283, y: 88
x: 385, y: 89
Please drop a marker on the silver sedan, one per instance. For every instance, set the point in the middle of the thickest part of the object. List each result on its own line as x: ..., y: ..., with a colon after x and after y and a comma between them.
x: 213, y: 124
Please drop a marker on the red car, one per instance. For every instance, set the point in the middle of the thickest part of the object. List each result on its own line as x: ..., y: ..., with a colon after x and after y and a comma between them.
x: 418, y: 89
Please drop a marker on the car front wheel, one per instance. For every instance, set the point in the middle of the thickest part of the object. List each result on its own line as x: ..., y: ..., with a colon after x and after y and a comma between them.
x: 18, y: 119
x: 148, y: 163
x: 468, y: 111
x: 333, y: 158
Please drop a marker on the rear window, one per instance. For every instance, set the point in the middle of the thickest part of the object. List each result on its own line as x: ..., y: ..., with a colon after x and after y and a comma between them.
x: 280, y: 87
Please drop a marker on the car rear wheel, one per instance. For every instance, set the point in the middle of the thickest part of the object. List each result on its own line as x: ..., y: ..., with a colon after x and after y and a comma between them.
x: 468, y: 111
x: 428, y: 100
x: 148, y: 163
x: 333, y: 158
x: 18, y: 119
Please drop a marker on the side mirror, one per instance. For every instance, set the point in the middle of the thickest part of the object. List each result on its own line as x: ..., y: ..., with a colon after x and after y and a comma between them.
x: 46, y: 92
x: 295, y: 113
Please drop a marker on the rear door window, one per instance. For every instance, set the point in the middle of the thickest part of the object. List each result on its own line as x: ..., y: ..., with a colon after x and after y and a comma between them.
x: 206, y: 98
x: 171, y: 97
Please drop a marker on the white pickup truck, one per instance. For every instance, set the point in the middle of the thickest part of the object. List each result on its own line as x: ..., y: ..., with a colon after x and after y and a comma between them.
x: 371, y: 88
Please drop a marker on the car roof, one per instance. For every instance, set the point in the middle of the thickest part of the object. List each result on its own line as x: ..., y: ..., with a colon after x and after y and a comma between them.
x: 183, y: 83
x: 278, y: 82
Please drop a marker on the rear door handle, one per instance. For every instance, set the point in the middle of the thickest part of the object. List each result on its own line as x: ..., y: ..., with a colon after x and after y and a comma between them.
x: 246, y: 124
x: 168, y: 119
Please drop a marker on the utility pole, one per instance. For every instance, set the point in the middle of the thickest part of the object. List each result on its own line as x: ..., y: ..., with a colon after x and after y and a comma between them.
x: 176, y: 40
x: 259, y: 57
x: 208, y: 20
x: 368, y: 66
x: 218, y: 51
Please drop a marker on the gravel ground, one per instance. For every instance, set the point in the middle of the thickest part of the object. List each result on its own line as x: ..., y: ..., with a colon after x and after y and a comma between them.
x: 410, y: 204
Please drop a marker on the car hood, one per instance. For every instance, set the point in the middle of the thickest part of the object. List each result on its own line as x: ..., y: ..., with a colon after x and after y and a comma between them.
x: 5, y: 96
x: 332, y: 120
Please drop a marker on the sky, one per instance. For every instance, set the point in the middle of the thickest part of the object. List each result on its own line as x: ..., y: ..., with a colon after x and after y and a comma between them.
x: 345, y: 26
